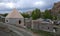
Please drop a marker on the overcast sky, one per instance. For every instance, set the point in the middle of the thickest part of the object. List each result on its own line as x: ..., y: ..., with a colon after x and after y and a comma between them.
x: 24, y: 5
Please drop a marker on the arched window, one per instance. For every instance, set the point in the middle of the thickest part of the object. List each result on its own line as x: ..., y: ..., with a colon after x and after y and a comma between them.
x: 19, y: 21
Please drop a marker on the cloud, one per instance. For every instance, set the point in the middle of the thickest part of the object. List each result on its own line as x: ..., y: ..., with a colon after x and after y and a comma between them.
x: 26, y: 4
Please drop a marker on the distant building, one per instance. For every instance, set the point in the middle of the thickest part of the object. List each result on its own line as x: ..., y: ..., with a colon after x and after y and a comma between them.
x: 15, y: 18
x: 28, y: 12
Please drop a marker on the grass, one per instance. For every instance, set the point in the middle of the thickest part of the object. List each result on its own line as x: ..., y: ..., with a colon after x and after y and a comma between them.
x: 42, y: 33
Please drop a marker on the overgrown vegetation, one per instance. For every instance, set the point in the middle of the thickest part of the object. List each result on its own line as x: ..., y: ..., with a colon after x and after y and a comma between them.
x: 36, y: 14
x: 47, y: 15
x: 25, y: 15
x: 5, y: 14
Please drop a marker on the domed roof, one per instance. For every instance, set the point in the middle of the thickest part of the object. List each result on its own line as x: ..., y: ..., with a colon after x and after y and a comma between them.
x: 14, y: 14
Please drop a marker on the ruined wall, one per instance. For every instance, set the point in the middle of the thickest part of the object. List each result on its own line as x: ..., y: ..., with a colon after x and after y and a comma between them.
x: 39, y: 25
x: 28, y: 22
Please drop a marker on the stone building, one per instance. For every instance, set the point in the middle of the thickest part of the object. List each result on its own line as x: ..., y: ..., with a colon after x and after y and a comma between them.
x: 28, y: 22
x: 42, y: 25
x: 15, y: 18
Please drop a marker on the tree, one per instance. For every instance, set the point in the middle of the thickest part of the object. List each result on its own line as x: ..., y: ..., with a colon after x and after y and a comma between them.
x: 36, y: 14
x: 47, y: 15
x: 25, y: 15
x: 5, y: 14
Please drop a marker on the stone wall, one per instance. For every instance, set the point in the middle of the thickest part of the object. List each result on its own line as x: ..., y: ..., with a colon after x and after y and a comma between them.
x: 14, y: 21
x: 40, y: 25
x: 2, y: 20
x: 35, y: 24
x: 28, y: 22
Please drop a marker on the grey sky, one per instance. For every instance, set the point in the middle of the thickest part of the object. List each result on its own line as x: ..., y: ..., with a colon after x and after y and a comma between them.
x: 24, y: 5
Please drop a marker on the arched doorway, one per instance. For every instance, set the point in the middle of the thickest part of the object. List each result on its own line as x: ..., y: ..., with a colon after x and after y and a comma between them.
x: 19, y: 21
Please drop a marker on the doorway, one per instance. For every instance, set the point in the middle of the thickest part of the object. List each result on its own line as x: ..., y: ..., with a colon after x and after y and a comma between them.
x: 19, y: 21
